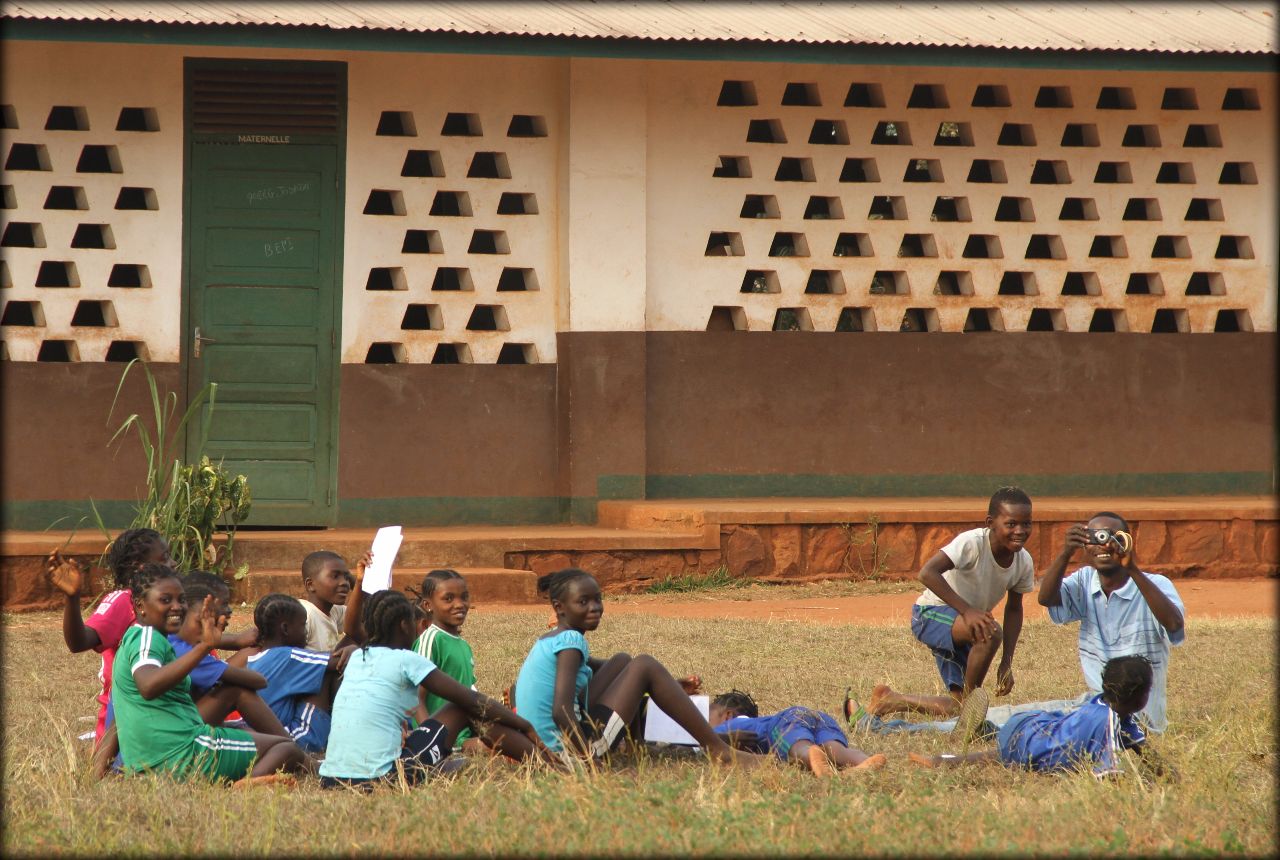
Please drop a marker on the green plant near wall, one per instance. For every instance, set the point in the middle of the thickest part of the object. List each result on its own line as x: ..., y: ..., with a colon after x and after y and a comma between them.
x: 186, y: 502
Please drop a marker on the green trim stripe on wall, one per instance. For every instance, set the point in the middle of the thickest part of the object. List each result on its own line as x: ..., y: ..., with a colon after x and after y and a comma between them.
x: 325, y: 39
x: 545, y: 510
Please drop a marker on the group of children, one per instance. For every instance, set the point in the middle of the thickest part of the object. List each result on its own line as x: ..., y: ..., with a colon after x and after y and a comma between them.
x: 364, y: 689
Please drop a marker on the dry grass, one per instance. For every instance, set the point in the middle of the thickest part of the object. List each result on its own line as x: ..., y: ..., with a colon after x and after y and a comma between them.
x: 1223, y: 709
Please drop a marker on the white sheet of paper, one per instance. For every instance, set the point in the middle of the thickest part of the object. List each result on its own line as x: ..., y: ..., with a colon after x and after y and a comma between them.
x: 660, y: 728
x: 386, y: 543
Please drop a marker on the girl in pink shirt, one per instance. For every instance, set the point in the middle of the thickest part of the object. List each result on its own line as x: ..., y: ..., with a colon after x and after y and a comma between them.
x: 103, y: 630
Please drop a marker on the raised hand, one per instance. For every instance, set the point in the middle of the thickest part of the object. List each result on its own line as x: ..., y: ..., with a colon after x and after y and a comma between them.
x: 691, y: 684
x: 211, y: 623
x: 361, y: 566
x: 65, y: 574
x: 1077, y: 536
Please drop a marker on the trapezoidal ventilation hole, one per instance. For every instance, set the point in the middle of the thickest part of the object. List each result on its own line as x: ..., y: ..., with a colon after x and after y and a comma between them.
x: 732, y: 167
x: 67, y: 118
x: 452, y: 279
x: 22, y: 314
x: 422, y: 163
x: 385, y: 202
x: 953, y: 283
x: 97, y: 236
x: 141, y: 119
x: 383, y: 352
x: 386, y: 278
x: 129, y: 276
x: 1047, y: 319
x: 396, y: 123
x: 58, y: 351
x: 792, y: 319
x: 57, y: 273
x: 489, y: 165
x: 422, y: 317
x: 723, y: 244
x: 422, y: 242
x: 515, y: 203
x: 801, y: 95
x: 760, y: 281
x: 131, y: 198
x: 727, y: 318
x: 737, y: 94
x: 527, y: 125
x: 824, y: 209
x: 1206, y: 284
x: 22, y: 234
x: 517, y: 280
x: 451, y: 204
x: 68, y: 197
x: 461, y: 125
x: 452, y: 353
x: 91, y: 314
x: 856, y: 319
x: 517, y: 353
x: 27, y: 156
x: 1170, y: 321
x: 123, y: 351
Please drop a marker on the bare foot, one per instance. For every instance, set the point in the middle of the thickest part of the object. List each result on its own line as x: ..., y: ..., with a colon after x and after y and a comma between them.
x: 923, y: 760
x: 878, y: 706
x: 820, y: 762
x: 872, y: 762
x: 285, y: 779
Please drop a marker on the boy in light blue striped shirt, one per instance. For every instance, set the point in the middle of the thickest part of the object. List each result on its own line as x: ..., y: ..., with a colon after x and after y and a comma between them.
x: 1121, y: 609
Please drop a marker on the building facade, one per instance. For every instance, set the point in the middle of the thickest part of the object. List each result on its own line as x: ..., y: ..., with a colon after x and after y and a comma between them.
x: 478, y: 279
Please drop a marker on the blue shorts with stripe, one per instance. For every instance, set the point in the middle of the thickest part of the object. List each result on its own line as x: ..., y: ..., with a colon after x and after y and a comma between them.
x: 310, y: 730
x: 932, y: 626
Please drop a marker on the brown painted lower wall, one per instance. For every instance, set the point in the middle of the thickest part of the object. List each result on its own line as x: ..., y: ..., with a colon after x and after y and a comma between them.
x: 938, y: 403
x: 56, y: 429
x: 456, y: 430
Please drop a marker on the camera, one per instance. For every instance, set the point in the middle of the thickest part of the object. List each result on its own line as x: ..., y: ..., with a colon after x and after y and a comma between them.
x: 1102, y: 537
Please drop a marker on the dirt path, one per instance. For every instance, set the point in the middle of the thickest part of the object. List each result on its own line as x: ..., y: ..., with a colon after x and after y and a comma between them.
x: 1253, y: 598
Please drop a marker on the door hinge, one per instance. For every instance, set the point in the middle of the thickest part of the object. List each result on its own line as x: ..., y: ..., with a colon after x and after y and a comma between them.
x: 333, y: 337
x: 329, y: 496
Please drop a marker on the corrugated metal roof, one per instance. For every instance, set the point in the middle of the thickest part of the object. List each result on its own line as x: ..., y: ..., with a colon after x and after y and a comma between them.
x: 1207, y: 27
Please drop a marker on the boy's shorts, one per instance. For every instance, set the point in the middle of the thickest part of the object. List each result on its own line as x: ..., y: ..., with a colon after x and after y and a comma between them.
x: 932, y: 626
x: 423, y: 751
x: 805, y: 724
x: 218, y: 754
x: 1011, y: 740
x: 602, y: 730
x: 310, y: 730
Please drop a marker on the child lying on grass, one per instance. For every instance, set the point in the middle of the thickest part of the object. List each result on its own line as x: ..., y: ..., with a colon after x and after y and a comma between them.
x: 798, y: 735
x: 1092, y: 736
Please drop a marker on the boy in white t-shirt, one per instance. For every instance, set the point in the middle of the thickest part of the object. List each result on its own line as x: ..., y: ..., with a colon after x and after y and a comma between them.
x: 963, y: 582
x: 326, y: 582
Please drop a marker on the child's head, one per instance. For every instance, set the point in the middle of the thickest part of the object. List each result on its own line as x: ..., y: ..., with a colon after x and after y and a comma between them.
x: 158, y: 597
x: 388, y: 619
x: 446, y: 599
x: 326, y: 578
x: 280, y: 620
x: 575, y: 597
x: 131, y: 550
x: 1009, y: 519
x: 1126, y: 683
x: 734, y: 703
x: 196, y: 586
x: 421, y: 620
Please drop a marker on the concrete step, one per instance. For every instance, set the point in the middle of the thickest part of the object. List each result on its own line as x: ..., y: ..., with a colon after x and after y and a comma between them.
x: 683, y: 515
x: 486, y: 584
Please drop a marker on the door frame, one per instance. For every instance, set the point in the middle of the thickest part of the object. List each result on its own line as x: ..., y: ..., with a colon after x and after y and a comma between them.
x: 338, y: 140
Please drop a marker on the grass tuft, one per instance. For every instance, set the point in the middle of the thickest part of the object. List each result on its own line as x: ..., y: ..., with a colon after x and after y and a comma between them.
x: 712, y: 579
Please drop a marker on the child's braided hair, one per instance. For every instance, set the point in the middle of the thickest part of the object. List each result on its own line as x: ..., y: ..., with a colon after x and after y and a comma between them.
x: 129, y: 551
x: 738, y: 702
x: 554, y: 584
x: 199, y: 584
x: 382, y: 613
x: 431, y: 580
x: 148, y: 575
x: 272, y: 610
x: 1126, y: 679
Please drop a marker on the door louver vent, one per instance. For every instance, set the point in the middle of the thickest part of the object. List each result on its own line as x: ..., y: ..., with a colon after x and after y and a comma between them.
x: 265, y: 101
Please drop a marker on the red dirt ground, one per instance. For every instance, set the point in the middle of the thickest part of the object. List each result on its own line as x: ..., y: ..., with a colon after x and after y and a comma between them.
x: 1251, y: 598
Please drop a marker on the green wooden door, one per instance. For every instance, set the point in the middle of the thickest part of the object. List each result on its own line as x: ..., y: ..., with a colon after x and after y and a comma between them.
x: 262, y: 312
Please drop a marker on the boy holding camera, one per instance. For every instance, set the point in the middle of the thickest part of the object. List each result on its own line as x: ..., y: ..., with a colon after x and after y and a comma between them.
x: 1121, y: 609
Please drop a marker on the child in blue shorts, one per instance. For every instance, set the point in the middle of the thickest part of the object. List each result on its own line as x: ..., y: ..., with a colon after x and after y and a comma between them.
x: 964, y: 581
x: 300, y: 682
x: 798, y: 735
x: 1091, y: 736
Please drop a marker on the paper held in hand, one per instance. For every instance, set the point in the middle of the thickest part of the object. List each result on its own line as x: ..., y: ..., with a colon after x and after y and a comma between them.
x: 661, y: 729
x: 386, y: 543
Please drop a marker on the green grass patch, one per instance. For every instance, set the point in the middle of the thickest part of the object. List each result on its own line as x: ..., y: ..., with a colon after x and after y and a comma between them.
x: 1222, y: 708
x: 710, y: 581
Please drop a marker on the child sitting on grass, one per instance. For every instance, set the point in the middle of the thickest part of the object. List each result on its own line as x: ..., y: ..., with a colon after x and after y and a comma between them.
x: 326, y: 584
x: 798, y: 735
x: 446, y: 600
x: 369, y: 737
x: 963, y: 582
x: 159, y: 727
x: 300, y: 683
x: 582, y: 706
x: 1092, y: 736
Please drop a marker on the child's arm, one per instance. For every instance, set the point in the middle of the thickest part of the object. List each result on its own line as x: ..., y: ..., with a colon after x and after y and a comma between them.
x: 1012, y: 630
x: 981, y: 623
x: 236, y: 641
x: 483, y: 708
x: 352, y: 623
x: 67, y: 576
x: 562, y: 710
x: 238, y: 676
x: 154, y: 681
